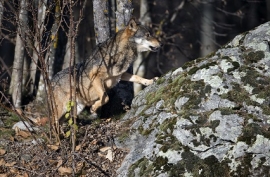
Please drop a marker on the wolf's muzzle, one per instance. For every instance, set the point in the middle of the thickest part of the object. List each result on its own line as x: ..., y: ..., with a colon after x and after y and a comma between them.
x: 155, y: 49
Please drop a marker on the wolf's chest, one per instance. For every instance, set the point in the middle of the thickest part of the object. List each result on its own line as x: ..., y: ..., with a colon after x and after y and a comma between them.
x: 111, y: 81
x: 122, y: 62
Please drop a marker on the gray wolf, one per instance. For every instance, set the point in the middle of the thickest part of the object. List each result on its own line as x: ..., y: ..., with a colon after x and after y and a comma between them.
x: 103, y: 70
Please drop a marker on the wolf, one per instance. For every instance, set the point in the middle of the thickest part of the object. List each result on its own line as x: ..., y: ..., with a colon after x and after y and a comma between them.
x: 106, y: 66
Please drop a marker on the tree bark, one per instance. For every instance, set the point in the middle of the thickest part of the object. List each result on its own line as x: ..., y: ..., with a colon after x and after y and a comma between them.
x: 37, y: 45
x: 139, y: 65
x: 207, y: 35
x: 101, y: 20
x: 1, y: 13
x: 47, y: 65
x: 17, y: 71
x: 268, y: 10
x: 67, y: 57
x: 121, y: 96
x: 123, y: 13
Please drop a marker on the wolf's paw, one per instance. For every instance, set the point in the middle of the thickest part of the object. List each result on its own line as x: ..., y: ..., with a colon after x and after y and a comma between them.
x: 155, y: 79
x: 150, y: 81
x: 93, y: 116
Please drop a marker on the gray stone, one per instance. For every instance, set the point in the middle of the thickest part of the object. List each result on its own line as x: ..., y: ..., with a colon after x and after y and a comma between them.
x: 209, y: 118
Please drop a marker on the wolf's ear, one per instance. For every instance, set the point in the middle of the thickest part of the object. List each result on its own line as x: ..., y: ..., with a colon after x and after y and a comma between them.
x: 132, y: 25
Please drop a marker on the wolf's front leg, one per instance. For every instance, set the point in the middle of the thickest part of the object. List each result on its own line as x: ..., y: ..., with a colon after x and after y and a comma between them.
x: 137, y: 79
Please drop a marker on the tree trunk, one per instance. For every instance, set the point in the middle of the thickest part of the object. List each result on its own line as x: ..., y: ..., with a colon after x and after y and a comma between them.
x: 139, y: 65
x: 123, y: 13
x: 207, y: 35
x: 124, y: 90
x: 101, y: 20
x: 120, y: 96
x: 268, y: 10
x: 67, y: 57
x: 47, y: 65
x: 1, y: 12
x: 17, y: 71
x: 39, y: 24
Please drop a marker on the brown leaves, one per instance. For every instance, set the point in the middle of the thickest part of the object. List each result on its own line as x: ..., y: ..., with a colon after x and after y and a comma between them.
x: 94, y: 154
x: 108, y: 151
x: 21, y: 133
x: 63, y: 170
x: 53, y: 147
x: 8, y: 165
x: 2, y: 151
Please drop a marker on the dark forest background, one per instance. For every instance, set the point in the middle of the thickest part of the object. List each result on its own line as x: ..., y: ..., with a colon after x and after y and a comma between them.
x: 36, y: 35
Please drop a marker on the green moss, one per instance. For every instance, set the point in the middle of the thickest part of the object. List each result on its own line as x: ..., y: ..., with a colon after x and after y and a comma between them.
x: 249, y: 133
x: 238, y: 95
x: 190, y: 64
x: 235, y: 64
x: 261, y: 85
x: 226, y: 111
x: 160, y: 80
x: 244, y: 168
x: 168, y: 93
x: 243, y: 38
x: 214, y: 124
x: 176, y: 170
x: 266, y: 109
x: 202, y: 119
x: 123, y: 137
x: 190, y: 160
x: 168, y: 142
x: 123, y: 134
x: 193, y: 70
x: 254, y: 57
x: 208, y: 167
x: 11, y: 120
x: 161, y: 164
x: 144, y: 165
x: 168, y: 124
x: 207, y: 89
x: 251, y: 116
x: 253, y: 77
x: 6, y: 133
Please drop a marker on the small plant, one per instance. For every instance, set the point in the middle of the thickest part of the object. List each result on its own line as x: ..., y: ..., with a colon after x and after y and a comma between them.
x: 68, y: 116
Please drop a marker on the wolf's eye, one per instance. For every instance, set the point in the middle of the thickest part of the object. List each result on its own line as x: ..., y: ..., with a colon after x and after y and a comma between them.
x: 147, y: 34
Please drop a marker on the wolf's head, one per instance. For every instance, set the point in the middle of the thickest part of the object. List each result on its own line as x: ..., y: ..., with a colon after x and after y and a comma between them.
x: 142, y: 37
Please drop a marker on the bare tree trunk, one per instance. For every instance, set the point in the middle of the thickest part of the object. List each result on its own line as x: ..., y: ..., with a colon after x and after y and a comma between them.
x: 207, y: 36
x: 17, y: 71
x: 67, y: 57
x: 268, y: 9
x: 138, y: 65
x: 101, y: 20
x: 1, y: 13
x: 48, y: 64
x: 54, y: 36
x: 122, y: 94
x: 123, y: 13
x: 38, y: 40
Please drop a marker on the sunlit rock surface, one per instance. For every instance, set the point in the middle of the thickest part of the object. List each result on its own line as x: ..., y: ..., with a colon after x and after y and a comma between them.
x: 209, y: 118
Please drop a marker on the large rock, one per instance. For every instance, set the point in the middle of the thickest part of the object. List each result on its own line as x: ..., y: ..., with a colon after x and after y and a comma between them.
x: 209, y: 118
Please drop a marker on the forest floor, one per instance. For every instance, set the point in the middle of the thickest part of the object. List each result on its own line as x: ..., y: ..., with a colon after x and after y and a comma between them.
x: 23, y: 154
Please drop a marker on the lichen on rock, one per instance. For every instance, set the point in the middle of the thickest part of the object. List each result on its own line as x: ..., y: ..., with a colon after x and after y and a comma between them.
x: 210, y: 117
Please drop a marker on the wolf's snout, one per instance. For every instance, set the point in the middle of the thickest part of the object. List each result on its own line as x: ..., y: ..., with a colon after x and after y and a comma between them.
x: 156, y: 48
